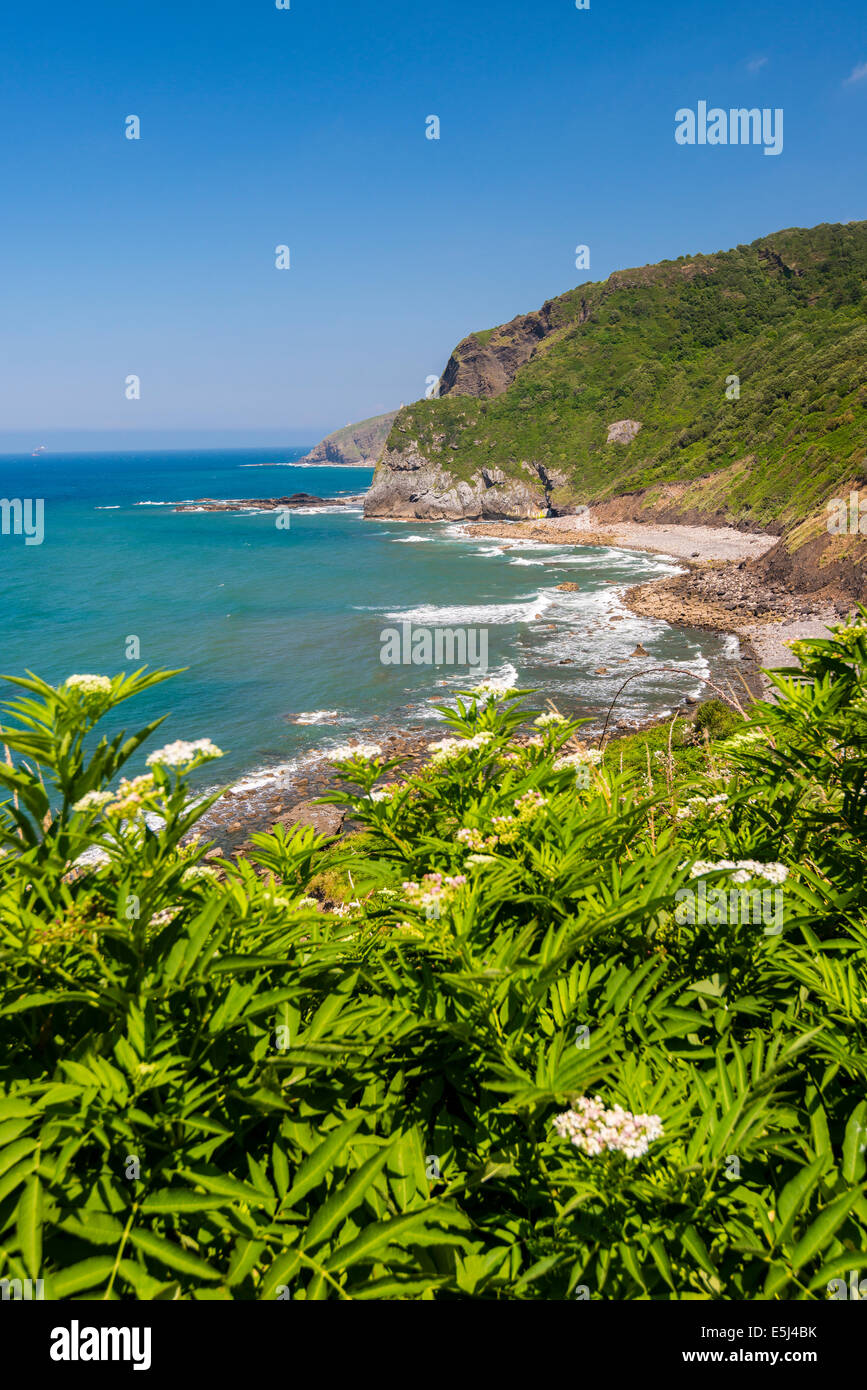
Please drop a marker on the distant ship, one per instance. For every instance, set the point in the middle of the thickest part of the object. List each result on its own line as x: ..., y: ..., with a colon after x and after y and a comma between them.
x: 40, y: 449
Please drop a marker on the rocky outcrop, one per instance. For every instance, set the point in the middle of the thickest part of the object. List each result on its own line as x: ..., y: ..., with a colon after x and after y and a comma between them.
x: 362, y: 443
x: 262, y: 504
x: 623, y: 431
x: 484, y: 364
x: 324, y: 819
x: 410, y: 485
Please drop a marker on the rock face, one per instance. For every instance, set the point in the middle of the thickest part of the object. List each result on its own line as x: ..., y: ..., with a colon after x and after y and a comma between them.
x: 362, y: 443
x: 484, y: 364
x: 407, y: 484
x: 623, y: 431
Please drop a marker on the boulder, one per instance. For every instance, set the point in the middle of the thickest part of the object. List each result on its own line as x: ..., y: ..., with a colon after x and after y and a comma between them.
x: 623, y: 431
x: 324, y: 819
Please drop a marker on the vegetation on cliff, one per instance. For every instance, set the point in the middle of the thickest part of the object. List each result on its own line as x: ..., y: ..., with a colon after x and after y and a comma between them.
x: 361, y: 443
x: 522, y: 1060
x: 660, y: 344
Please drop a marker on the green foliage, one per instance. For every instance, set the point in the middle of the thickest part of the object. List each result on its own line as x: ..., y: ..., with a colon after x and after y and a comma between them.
x: 657, y: 344
x: 716, y: 718
x: 211, y: 1088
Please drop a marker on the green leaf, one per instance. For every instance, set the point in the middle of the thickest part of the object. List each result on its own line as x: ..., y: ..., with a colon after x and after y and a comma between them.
x: 30, y: 1226
x: 172, y: 1255
x: 853, y: 1144
x: 87, y: 1274
x: 180, y: 1199
x: 317, y: 1164
x: 823, y: 1229
x: 215, y: 1181
x: 344, y: 1199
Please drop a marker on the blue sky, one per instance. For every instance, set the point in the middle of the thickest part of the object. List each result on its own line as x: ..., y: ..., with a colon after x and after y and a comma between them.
x: 306, y: 127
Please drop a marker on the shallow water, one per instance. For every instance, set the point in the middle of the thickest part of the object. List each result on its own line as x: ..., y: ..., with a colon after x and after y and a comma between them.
x: 279, y: 625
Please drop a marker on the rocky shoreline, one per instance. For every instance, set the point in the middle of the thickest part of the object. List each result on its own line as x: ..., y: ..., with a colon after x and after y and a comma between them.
x: 718, y: 591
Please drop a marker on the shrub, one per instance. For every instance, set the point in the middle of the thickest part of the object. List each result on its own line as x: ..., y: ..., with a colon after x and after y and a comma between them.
x: 716, y: 718
x: 522, y: 1061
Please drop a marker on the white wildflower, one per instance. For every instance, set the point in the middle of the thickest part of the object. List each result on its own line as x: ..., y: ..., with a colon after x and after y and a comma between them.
x: 583, y: 757
x: 181, y: 752
x: 741, y: 870
x: 447, y: 749
x: 594, y: 1129
x: 492, y: 689
x: 89, y: 685
x: 197, y: 872
x: 549, y: 719
x: 93, y: 801
x: 358, y: 750
x: 384, y: 793
x: 713, y: 804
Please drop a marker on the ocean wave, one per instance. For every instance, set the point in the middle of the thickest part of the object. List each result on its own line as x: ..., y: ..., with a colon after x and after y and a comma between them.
x: 526, y: 562
x: 327, y: 511
x: 318, y: 716
x: 481, y: 614
x: 406, y: 540
x: 112, y: 507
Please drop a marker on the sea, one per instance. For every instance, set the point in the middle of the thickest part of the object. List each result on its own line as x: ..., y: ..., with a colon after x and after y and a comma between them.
x: 277, y: 631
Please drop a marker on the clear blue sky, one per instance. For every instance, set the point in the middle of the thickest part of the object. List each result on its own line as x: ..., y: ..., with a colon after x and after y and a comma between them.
x: 307, y: 127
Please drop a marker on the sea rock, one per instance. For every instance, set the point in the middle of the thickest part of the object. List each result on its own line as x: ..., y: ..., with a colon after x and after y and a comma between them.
x: 569, y: 587
x: 262, y: 504
x: 640, y: 651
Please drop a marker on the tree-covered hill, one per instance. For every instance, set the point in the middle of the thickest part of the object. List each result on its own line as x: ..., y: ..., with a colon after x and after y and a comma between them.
x: 525, y: 409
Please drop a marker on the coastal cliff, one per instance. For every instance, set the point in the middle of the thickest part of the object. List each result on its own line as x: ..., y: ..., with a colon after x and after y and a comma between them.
x: 361, y: 443
x: 726, y: 389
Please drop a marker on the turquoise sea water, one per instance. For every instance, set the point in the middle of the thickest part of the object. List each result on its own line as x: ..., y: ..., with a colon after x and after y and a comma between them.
x: 278, y: 624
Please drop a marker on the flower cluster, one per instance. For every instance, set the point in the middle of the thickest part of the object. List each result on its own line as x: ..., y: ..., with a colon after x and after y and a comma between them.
x: 386, y: 792
x: 580, y: 757
x: 434, y: 891
x: 125, y: 803
x: 741, y: 870
x: 197, y: 872
x: 747, y: 740
x: 492, y: 689
x: 182, y: 752
x: 448, y: 749
x: 358, y: 750
x: 527, y: 808
x: 549, y: 720
x: 595, y: 1130
x: 131, y: 795
x: 93, y: 801
x: 89, y: 685
x: 712, y: 805
x: 474, y: 839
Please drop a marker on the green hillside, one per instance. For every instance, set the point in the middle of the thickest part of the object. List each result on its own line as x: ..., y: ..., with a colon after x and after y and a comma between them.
x: 785, y: 314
